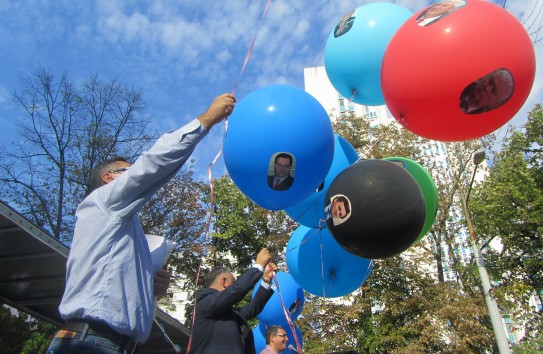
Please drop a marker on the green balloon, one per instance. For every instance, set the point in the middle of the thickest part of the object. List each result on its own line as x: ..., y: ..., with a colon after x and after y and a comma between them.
x: 428, y: 187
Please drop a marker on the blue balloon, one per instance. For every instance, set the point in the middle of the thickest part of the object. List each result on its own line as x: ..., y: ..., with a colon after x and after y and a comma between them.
x: 355, y: 49
x: 259, y: 333
x: 293, y: 298
x: 278, y: 119
x: 310, y: 211
x: 321, y: 266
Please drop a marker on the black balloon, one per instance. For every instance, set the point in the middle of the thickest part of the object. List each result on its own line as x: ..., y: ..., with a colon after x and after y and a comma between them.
x: 375, y: 209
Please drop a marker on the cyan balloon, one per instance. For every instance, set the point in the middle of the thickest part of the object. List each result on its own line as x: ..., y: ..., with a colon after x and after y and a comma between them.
x: 321, y: 266
x: 278, y: 119
x: 355, y: 49
x: 310, y: 211
x: 293, y: 298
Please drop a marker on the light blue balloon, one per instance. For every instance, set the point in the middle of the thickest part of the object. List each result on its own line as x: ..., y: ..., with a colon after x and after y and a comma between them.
x: 355, y: 49
x: 278, y: 118
x: 321, y: 266
x: 310, y: 211
x: 293, y: 298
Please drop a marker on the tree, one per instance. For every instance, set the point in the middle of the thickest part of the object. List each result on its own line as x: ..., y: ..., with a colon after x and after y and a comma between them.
x: 20, y: 333
x: 64, y: 132
x: 401, y: 308
x: 507, y: 207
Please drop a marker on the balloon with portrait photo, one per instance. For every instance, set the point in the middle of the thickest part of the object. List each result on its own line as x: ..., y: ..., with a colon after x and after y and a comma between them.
x: 278, y: 119
x: 427, y: 186
x: 460, y: 74
x: 309, y: 212
x: 291, y: 294
x: 321, y: 266
x: 383, y: 213
x: 355, y: 48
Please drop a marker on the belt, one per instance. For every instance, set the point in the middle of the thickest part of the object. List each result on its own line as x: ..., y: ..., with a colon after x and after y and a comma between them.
x: 96, y: 328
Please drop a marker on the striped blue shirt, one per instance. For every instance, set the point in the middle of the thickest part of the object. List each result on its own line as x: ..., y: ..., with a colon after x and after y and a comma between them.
x: 109, y: 274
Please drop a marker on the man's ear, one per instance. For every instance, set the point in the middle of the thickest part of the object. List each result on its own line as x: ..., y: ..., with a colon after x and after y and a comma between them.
x: 107, y: 177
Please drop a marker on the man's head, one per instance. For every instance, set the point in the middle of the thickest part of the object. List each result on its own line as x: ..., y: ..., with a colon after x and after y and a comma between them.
x: 283, y: 163
x: 442, y: 8
x: 340, y: 207
x: 489, y: 92
x: 276, y: 338
x: 219, y: 278
x: 107, y: 171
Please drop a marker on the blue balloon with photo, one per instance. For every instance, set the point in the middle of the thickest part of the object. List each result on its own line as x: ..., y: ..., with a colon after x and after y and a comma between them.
x: 321, y: 266
x: 310, y: 211
x: 278, y: 118
x: 355, y: 49
x: 293, y: 298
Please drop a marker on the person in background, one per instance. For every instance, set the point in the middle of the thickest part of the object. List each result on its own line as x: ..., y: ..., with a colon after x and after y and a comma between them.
x: 219, y: 327
x: 276, y: 340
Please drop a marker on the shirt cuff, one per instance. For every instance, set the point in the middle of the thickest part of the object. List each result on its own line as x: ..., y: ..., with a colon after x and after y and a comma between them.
x: 259, y: 267
x: 265, y: 285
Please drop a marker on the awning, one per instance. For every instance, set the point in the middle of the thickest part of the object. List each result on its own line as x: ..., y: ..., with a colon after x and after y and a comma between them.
x: 33, y: 273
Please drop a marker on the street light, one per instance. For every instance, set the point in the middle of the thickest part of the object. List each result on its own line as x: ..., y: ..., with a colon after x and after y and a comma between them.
x: 492, y: 306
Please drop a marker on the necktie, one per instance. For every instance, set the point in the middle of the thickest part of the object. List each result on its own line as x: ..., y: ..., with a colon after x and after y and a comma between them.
x: 276, y: 183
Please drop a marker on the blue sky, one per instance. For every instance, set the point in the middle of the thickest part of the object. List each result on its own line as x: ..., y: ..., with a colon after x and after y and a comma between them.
x: 181, y: 54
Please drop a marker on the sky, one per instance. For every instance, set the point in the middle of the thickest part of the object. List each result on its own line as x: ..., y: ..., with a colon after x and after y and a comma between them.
x: 182, y: 54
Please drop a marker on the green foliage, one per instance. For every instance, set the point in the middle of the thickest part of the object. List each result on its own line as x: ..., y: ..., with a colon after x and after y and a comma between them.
x: 508, y: 207
x: 20, y: 333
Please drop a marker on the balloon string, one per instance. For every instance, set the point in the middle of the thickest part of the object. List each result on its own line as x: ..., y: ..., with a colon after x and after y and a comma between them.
x: 209, y: 173
x: 302, y: 213
x: 322, y: 268
x: 247, y: 56
x: 287, y: 315
x: 251, y: 47
x: 304, y: 241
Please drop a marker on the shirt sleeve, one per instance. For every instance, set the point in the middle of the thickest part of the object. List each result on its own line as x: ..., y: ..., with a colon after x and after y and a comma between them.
x: 152, y: 170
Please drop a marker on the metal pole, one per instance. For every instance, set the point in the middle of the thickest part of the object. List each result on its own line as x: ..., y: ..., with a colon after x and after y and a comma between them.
x: 492, y: 306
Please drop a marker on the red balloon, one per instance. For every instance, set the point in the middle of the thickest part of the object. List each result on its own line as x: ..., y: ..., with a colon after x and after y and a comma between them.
x: 458, y: 70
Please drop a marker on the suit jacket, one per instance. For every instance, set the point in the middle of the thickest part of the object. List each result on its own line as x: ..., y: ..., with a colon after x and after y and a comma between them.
x: 221, y: 328
x: 284, y: 185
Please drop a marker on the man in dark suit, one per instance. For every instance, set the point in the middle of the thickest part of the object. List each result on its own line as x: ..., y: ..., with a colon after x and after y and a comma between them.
x: 281, y: 180
x: 218, y: 326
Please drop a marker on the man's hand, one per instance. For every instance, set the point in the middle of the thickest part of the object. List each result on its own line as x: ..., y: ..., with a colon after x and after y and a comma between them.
x: 269, y: 271
x: 263, y: 257
x: 161, y: 281
x: 221, y: 107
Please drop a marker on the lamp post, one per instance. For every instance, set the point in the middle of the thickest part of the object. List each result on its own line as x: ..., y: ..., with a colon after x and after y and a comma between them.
x: 492, y: 306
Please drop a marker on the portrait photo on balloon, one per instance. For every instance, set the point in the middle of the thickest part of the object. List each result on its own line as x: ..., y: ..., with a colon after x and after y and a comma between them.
x: 281, y: 171
x: 439, y: 10
x: 345, y: 24
x: 338, y: 209
x: 487, y: 93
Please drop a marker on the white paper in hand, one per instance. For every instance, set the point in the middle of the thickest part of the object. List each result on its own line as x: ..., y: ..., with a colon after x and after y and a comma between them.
x: 160, y: 248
